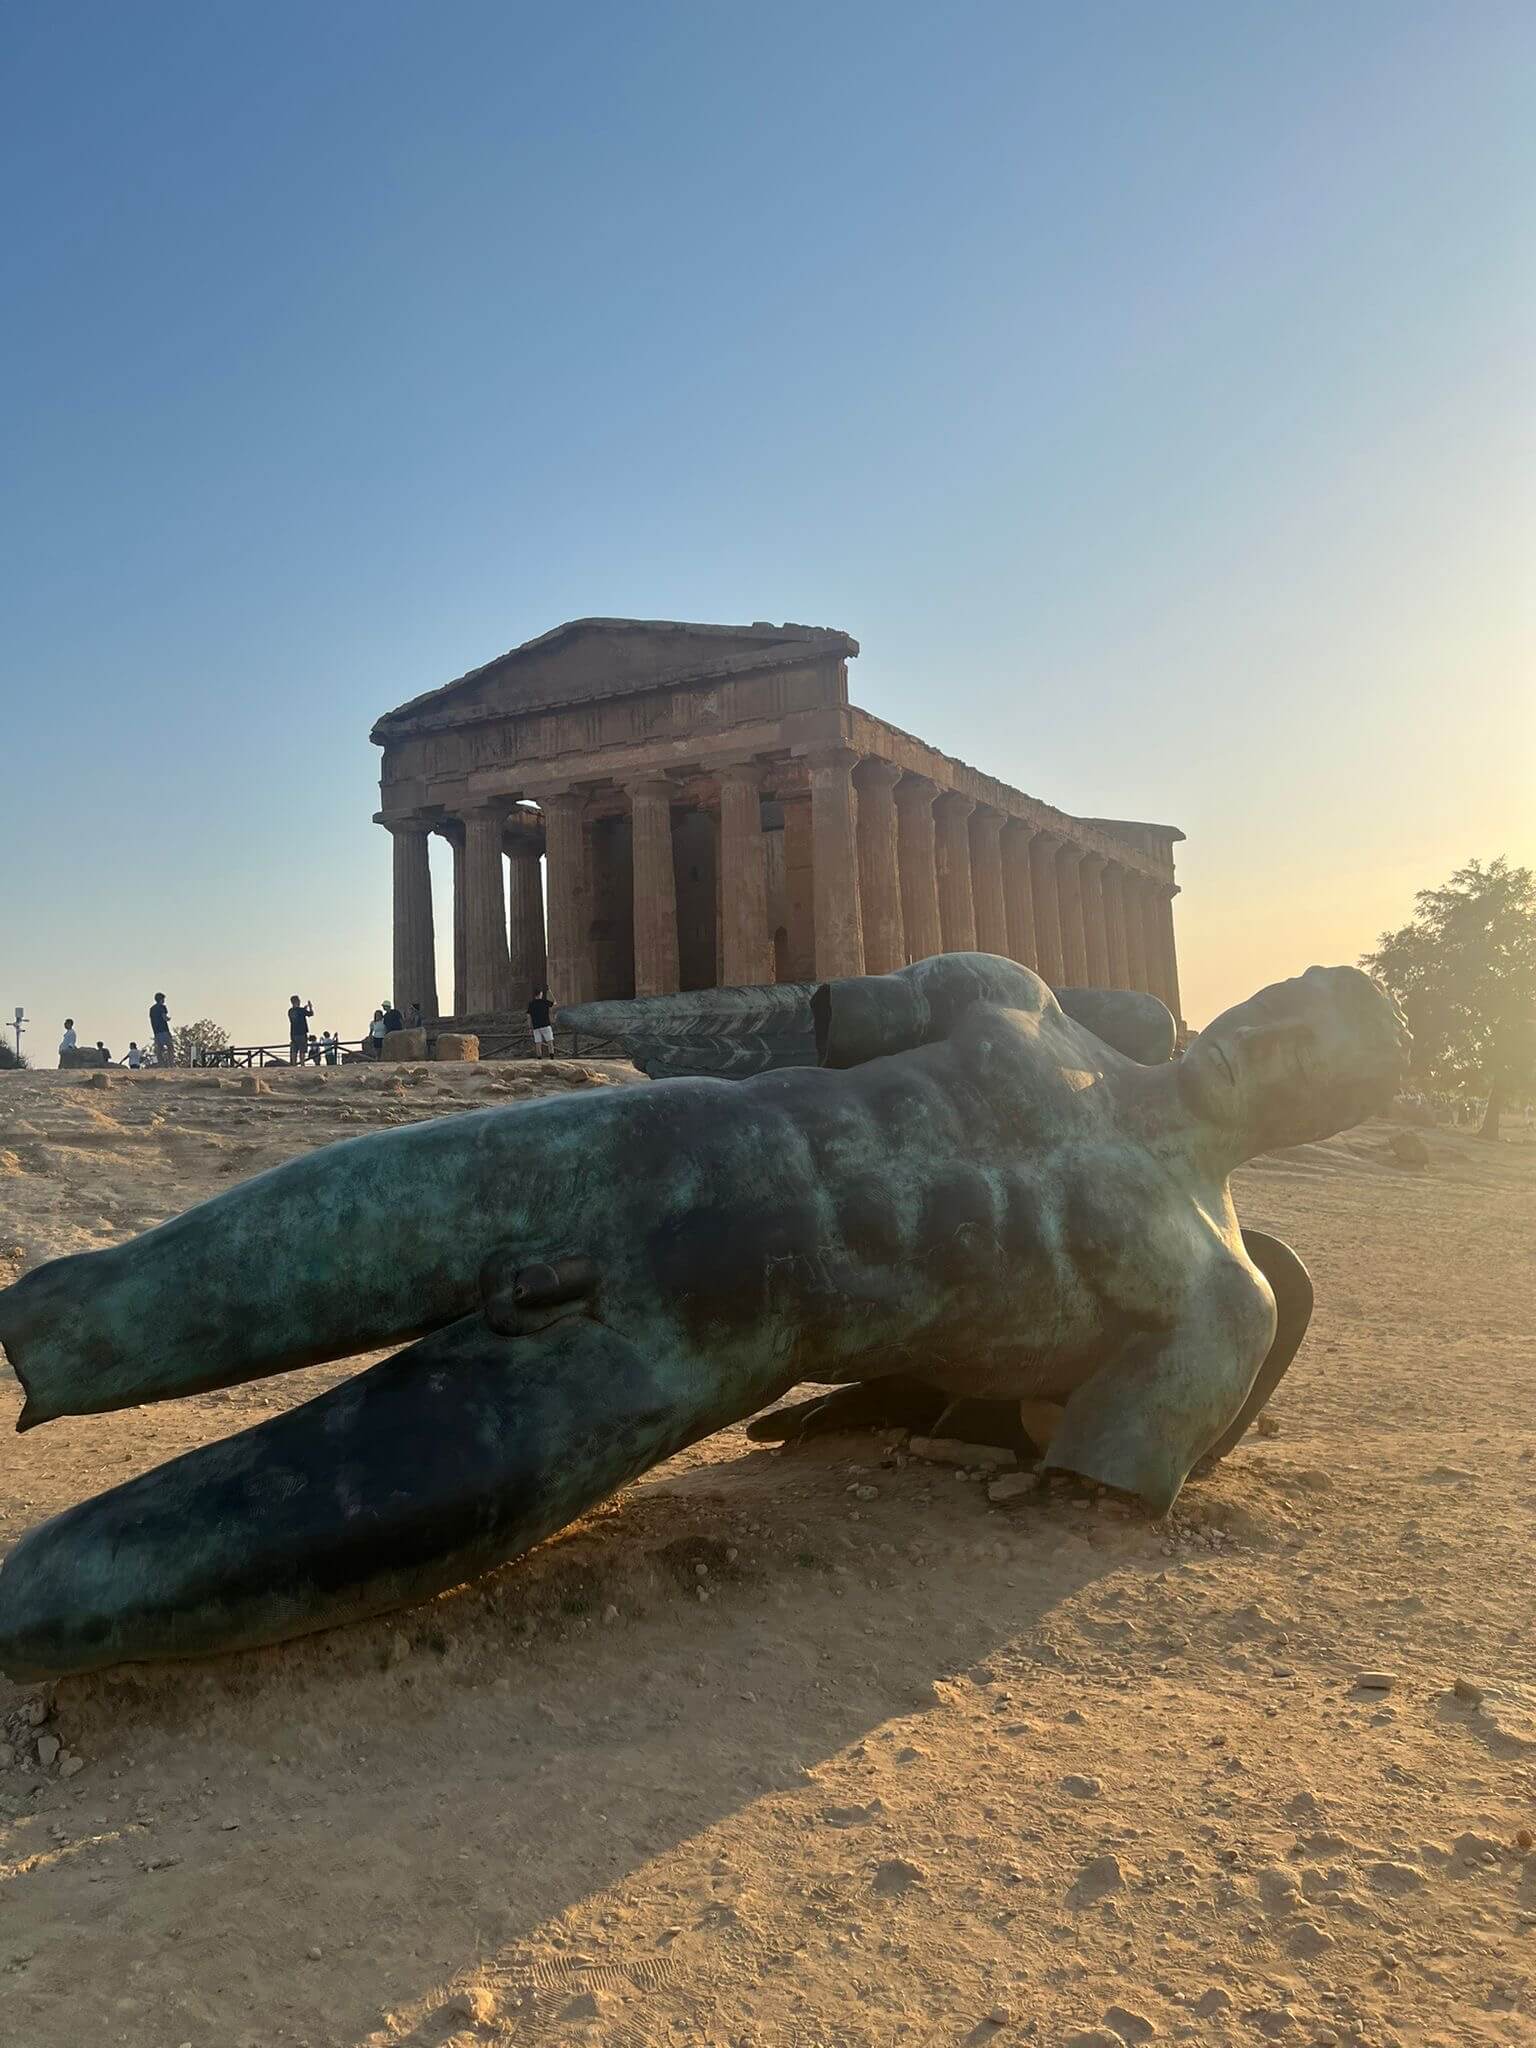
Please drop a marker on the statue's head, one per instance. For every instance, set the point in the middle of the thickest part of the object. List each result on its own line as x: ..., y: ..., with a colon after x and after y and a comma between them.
x: 1300, y: 1060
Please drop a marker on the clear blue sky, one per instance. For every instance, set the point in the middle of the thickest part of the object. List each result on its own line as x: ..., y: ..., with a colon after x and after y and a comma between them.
x: 1149, y: 388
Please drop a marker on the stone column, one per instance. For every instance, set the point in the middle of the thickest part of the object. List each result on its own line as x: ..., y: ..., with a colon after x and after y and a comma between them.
x: 1019, y: 893
x: 1095, y: 936
x: 487, y: 964
x: 1074, y: 950
x: 565, y: 857
x: 986, y: 830
x: 799, y: 888
x: 451, y: 830
x: 655, y: 882
x: 1135, y: 932
x: 415, y: 975
x: 1162, y: 896
x: 1152, y: 940
x: 746, y: 938
x: 1046, y: 890
x: 879, y: 876
x: 835, y: 865
x: 1114, y: 925
x: 917, y: 863
x: 525, y: 917
x: 957, y: 906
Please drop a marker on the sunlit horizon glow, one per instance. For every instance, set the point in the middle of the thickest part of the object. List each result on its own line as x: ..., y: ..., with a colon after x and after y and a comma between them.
x: 1148, y: 393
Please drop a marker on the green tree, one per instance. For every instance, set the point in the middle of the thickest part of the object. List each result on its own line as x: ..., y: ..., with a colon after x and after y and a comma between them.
x: 1464, y: 971
x: 199, y: 1044
x: 9, y: 1057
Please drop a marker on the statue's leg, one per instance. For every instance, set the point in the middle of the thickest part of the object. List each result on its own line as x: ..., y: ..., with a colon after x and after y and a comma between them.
x: 353, y: 1247
x: 438, y: 1463
x: 1291, y: 1285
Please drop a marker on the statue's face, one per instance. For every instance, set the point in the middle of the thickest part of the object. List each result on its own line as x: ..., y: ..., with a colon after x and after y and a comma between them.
x: 1300, y: 1060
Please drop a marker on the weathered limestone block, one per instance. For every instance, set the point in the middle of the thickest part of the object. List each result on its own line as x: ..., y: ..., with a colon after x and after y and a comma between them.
x: 457, y: 1045
x: 947, y: 1450
x: 405, y: 1045
x: 81, y: 1056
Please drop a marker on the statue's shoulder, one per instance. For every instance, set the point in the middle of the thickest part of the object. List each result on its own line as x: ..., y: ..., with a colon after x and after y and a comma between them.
x: 875, y: 1015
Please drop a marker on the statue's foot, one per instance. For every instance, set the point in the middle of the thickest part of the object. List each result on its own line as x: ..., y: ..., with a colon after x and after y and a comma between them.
x: 451, y: 1457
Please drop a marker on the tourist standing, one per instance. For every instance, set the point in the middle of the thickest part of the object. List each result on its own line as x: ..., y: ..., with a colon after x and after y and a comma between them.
x: 135, y: 1055
x: 106, y: 1057
x: 160, y: 1031
x: 299, y: 1014
x: 69, y: 1041
x: 376, y: 1034
x: 330, y: 1044
x: 541, y: 1011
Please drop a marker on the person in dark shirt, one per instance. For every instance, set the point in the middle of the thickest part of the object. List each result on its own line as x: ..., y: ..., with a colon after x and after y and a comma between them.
x: 160, y: 1031
x: 541, y: 1012
x: 393, y: 1021
x: 299, y: 1015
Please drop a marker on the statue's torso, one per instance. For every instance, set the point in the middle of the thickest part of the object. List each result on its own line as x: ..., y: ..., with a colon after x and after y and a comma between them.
x: 982, y: 1212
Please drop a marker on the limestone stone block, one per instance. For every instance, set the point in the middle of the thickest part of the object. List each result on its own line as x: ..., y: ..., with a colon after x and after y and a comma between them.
x: 457, y: 1045
x: 81, y: 1056
x: 947, y: 1450
x: 405, y: 1045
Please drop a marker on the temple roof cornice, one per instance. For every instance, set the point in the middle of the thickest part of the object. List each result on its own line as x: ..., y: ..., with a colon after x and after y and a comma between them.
x: 786, y: 646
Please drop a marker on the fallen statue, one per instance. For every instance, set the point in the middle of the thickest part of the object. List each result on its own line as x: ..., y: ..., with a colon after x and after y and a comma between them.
x: 732, y: 1033
x: 973, y: 1197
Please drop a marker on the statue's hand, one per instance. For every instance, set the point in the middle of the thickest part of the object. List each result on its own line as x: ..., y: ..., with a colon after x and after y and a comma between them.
x: 1141, y: 1422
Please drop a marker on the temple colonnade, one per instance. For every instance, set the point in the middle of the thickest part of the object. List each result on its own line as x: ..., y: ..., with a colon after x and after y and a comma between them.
x: 741, y: 872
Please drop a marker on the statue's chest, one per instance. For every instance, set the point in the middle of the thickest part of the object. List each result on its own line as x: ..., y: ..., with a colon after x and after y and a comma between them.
x: 1027, y: 1276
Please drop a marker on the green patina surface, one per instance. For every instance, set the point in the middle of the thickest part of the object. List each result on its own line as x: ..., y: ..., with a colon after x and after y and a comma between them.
x: 975, y: 1192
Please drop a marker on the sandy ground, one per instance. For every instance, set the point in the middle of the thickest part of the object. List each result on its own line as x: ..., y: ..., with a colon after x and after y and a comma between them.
x: 820, y: 1747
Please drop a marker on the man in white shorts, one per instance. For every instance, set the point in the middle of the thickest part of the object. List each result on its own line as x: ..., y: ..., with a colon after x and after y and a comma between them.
x: 541, y: 1012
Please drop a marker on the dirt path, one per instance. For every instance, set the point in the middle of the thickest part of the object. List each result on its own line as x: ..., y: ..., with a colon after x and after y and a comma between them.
x: 753, y: 1757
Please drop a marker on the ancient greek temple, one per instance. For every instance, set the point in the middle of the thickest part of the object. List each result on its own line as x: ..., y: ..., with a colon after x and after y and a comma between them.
x: 635, y: 806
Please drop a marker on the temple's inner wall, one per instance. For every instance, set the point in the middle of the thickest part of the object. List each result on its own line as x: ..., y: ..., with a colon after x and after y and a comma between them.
x: 633, y: 807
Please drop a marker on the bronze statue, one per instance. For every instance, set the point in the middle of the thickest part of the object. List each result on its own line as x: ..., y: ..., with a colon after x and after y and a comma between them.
x: 973, y: 1197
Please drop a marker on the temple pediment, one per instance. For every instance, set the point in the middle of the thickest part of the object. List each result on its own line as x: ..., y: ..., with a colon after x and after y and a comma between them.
x: 589, y: 659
